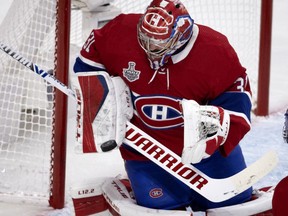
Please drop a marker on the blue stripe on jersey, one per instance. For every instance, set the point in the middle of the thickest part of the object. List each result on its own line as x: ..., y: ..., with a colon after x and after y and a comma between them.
x: 234, y: 101
x: 81, y: 66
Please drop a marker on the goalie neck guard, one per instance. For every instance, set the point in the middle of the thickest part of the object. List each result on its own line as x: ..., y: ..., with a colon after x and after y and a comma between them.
x: 164, y: 28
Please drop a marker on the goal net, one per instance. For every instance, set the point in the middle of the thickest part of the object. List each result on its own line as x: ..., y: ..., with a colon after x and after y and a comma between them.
x: 27, y: 103
x: 28, y: 129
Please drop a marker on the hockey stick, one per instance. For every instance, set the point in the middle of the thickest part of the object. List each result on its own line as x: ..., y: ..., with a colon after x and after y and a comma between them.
x: 216, y: 190
x: 33, y: 67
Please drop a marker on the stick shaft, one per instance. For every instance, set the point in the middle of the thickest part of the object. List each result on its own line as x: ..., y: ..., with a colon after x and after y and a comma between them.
x: 215, y: 190
x: 33, y: 67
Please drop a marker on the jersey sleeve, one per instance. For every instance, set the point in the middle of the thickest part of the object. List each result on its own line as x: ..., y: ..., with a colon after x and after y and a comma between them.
x: 237, y: 101
x: 89, y: 58
x: 91, y: 55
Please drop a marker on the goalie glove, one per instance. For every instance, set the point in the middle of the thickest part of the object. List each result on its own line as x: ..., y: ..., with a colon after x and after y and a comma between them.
x: 205, y: 129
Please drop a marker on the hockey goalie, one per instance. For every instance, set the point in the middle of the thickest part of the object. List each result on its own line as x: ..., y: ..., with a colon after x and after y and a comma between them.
x: 118, y: 192
x: 182, y: 84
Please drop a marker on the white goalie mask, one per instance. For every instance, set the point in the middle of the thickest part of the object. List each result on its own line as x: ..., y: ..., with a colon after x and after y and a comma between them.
x: 164, y: 28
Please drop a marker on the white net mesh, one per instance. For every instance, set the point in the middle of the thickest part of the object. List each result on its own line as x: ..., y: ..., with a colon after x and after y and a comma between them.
x: 26, y: 101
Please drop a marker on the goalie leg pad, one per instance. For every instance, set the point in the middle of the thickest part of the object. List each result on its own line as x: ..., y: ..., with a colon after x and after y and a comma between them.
x: 88, y: 199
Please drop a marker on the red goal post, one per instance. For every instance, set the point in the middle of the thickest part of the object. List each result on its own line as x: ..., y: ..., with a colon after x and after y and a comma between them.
x: 263, y: 87
x: 58, y: 150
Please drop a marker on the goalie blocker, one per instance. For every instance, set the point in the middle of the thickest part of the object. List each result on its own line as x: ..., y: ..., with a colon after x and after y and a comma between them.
x: 103, y: 108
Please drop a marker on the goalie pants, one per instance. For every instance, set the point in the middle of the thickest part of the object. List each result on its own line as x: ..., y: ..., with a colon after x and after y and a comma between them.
x: 154, y: 188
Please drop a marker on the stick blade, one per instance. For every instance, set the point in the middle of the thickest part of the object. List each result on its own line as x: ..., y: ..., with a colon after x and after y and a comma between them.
x: 256, y: 171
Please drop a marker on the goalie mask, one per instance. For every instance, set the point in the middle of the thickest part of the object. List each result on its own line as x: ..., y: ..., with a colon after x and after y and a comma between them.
x: 164, y: 28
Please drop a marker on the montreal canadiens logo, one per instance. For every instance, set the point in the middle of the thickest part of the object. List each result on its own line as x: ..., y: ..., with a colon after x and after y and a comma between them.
x: 159, y: 19
x: 156, y: 193
x: 159, y: 112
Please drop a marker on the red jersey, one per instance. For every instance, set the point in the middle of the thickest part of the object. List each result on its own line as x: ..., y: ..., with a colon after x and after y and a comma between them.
x: 207, y: 70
